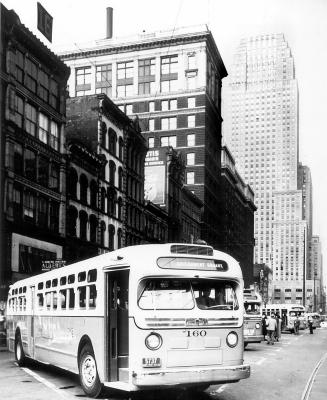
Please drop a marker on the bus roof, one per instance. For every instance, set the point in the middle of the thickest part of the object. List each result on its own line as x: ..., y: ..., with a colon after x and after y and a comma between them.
x: 143, y: 258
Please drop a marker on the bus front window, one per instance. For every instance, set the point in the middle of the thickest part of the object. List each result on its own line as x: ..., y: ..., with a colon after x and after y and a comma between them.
x: 252, y: 308
x: 215, y: 295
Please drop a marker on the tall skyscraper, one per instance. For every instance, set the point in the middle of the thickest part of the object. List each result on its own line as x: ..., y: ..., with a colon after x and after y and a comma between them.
x: 260, y: 111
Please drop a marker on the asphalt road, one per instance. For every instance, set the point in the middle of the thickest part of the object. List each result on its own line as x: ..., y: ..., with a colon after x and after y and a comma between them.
x: 284, y: 371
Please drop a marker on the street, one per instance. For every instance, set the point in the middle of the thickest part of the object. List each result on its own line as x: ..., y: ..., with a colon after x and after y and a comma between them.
x: 287, y: 370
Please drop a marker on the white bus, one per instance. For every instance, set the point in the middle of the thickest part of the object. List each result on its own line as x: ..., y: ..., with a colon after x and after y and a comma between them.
x: 287, y: 313
x: 252, y: 317
x: 137, y: 318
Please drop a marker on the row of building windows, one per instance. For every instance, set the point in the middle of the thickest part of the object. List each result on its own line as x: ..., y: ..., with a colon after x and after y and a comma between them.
x: 172, y: 141
x: 33, y: 121
x: 170, y: 123
x: 33, y: 166
x: 30, y: 74
x: 125, y: 77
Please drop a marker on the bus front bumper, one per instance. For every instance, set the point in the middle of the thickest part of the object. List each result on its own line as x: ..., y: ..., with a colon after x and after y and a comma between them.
x: 191, y: 377
x: 253, y: 339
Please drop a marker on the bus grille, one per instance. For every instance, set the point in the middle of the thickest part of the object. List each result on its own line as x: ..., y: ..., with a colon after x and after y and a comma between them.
x: 185, y: 322
x: 188, y: 249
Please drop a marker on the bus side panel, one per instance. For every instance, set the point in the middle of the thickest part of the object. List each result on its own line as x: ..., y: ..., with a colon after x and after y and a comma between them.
x: 57, y: 339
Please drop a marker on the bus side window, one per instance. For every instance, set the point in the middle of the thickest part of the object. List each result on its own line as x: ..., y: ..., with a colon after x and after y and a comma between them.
x: 55, y: 300
x: 93, y: 296
x: 82, y: 296
x: 92, y: 275
x: 63, y: 299
x: 48, y: 300
x: 71, y: 298
x: 40, y: 300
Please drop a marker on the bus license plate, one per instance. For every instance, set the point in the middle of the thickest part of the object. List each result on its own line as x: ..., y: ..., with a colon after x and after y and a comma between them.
x: 151, y: 362
x: 248, y: 331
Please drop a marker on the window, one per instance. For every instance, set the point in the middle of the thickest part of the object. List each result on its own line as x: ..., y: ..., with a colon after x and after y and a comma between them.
x: 83, y: 188
x: 19, y: 66
x: 30, y: 164
x: 29, y: 206
x: 54, y: 216
x: 146, y: 76
x: 191, y: 139
x: 103, y: 79
x: 71, y: 298
x: 31, y: 75
x: 191, y: 121
x: 151, y: 124
x: 169, y: 75
x: 18, y: 158
x: 43, y: 128
x: 43, y: 171
x: 83, y: 81
x: 168, y: 123
x: 129, y: 109
x: 63, y: 299
x: 43, y: 85
x: 19, y: 111
x: 30, y: 119
x: 191, y: 61
x: 54, y: 135
x: 42, y: 212
x: 125, y: 79
x: 168, y: 105
x: 83, y: 225
x: 54, y: 94
x: 190, y: 158
x: 151, y: 142
x: 92, y: 296
x: 168, y: 141
x: 54, y: 176
x: 151, y: 106
x: 190, y: 178
x: 92, y: 275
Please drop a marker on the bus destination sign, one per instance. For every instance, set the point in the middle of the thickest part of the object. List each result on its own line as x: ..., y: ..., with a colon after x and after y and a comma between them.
x: 48, y: 265
x: 190, y: 263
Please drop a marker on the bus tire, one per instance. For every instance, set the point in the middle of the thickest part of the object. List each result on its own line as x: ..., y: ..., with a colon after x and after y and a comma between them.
x: 19, y: 351
x: 88, y: 372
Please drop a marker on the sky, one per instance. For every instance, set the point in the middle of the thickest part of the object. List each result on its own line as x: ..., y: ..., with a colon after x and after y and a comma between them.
x: 303, y: 23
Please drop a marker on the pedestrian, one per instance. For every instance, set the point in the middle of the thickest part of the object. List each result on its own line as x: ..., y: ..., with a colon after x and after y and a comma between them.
x: 271, y: 326
x: 278, y: 327
x: 296, y: 325
x: 264, y: 327
x: 310, y: 322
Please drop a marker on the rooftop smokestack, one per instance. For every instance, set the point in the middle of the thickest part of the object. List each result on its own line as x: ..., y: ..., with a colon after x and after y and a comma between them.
x: 109, y: 22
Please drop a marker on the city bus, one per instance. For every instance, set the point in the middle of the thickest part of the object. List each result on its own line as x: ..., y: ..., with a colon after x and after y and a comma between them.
x: 252, y: 317
x: 316, y: 319
x: 287, y: 313
x: 137, y: 318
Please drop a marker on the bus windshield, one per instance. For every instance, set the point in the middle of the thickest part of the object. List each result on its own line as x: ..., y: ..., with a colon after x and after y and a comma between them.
x: 296, y: 313
x: 252, y: 308
x: 185, y: 294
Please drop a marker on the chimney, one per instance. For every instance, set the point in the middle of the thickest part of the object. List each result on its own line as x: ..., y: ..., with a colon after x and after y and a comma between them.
x: 109, y: 22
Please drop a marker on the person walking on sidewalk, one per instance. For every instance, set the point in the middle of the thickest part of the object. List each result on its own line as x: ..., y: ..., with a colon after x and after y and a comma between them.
x: 310, y: 322
x: 296, y: 325
x: 271, y: 326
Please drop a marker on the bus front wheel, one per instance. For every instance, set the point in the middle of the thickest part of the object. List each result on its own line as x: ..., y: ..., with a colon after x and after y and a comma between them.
x: 88, y: 372
x: 19, y: 351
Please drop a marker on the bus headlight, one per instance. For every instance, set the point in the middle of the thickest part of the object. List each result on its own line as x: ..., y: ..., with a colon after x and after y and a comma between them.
x: 257, y: 325
x: 232, y: 339
x: 153, y: 341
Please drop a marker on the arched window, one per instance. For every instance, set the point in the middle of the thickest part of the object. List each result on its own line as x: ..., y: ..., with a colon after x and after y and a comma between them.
x: 103, y: 199
x: 112, y: 170
x: 71, y: 220
x: 93, y: 193
x: 120, y: 178
x: 93, y: 228
x: 119, y: 238
x: 102, y: 230
x: 72, y: 183
x: 111, y: 241
x: 112, y: 198
x: 83, y: 225
x: 120, y: 208
x: 112, y: 141
x: 121, y: 148
x: 83, y: 188
x: 103, y: 135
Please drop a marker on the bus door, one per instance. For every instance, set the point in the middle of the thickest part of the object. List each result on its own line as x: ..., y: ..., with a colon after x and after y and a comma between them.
x: 117, y: 325
x: 31, y: 324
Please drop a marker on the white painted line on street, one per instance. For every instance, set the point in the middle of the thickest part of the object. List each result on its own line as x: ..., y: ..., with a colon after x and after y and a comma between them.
x: 221, y: 389
x: 45, y: 382
x: 262, y: 360
x: 308, y: 387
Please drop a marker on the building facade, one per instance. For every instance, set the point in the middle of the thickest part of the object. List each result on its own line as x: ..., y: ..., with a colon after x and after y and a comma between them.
x: 261, y: 129
x: 172, y: 81
x: 106, y: 180
x: 237, y: 212
x: 32, y: 154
